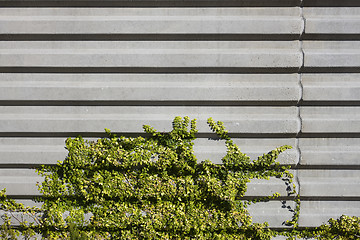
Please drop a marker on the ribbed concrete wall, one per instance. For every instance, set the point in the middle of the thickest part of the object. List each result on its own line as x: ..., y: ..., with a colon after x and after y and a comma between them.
x: 276, y: 72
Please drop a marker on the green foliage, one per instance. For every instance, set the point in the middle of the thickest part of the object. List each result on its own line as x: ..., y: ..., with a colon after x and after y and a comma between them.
x: 154, y: 188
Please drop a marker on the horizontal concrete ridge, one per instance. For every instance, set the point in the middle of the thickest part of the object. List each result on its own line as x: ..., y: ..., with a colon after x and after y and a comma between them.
x: 20, y: 152
x: 331, y: 87
x: 327, y: 20
x: 331, y: 54
x: 335, y: 152
x: 274, y: 212
x: 263, y: 187
x: 315, y: 213
x: 330, y: 119
x: 17, y: 119
x: 22, y: 182
x: 149, y: 87
x: 151, y: 54
x: 149, y: 3
x: 329, y: 183
x: 151, y: 21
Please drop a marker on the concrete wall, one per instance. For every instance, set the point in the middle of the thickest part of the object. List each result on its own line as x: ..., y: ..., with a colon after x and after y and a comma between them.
x: 276, y: 72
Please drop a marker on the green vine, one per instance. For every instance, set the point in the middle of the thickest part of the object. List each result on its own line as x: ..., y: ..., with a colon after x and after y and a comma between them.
x: 154, y: 188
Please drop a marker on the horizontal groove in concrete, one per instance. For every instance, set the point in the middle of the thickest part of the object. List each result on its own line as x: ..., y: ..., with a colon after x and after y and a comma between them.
x: 205, y: 135
x: 328, y: 135
x: 178, y: 103
x: 330, y: 3
x: 328, y: 37
x: 179, y: 37
x: 224, y: 70
x: 150, y: 3
x: 353, y: 69
x: 156, y: 37
x: 148, y: 103
x: 135, y: 134
x: 249, y: 70
x: 176, y: 3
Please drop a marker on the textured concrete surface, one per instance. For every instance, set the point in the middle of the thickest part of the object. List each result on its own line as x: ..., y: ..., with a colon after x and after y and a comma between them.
x: 327, y: 20
x: 315, y: 213
x: 47, y: 93
x: 331, y: 54
x: 149, y: 87
x: 129, y: 119
x: 330, y: 119
x: 329, y: 183
x: 151, y: 21
x: 151, y: 54
x: 331, y: 87
x: 334, y: 152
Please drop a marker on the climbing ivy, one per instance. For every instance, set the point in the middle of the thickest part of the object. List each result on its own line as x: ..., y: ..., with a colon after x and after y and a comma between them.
x: 154, y: 188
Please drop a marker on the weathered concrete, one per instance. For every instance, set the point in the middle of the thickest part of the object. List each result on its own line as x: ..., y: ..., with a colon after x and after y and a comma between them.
x: 330, y: 119
x: 236, y: 88
x: 129, y: 119
x: 334, y: 152
x: 332, y: 20
x: 151, y: 21
x: 331, y: 54
x: 329, y: 183
x: 134, y: 54
x: 331, y: 87
x: 315, y: 213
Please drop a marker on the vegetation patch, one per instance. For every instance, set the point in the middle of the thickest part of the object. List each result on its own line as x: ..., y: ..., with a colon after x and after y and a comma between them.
x: 154, y: 188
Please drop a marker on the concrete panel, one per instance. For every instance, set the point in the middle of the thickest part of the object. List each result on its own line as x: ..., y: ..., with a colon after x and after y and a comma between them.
x: 329, y: 183
x: 331, y: 87
x: 330, y: 119
x: 35, y: 151
x: 150, y: 21
x: 276, y: 213
x: 133, y: 54
x: 31, y: 151
x: 20, y: 182
x: 331, y: 54
x: 149, y: 87
x: 263, y: 187
x: 78, y: 119
x: 330, y: 151
x: 315, y: 213
x: 332, y: 20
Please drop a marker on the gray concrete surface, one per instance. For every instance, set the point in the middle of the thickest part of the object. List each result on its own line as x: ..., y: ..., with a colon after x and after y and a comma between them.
x: 308, y: 98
